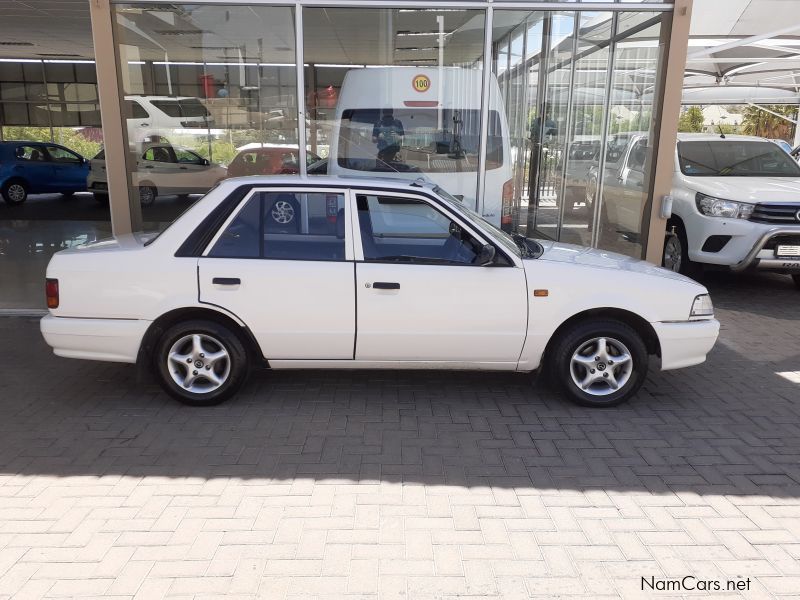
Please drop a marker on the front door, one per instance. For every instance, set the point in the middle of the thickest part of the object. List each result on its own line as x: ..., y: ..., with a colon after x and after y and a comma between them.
x: 69, y: 169
x: 284, y: 265
x: 421, y: 294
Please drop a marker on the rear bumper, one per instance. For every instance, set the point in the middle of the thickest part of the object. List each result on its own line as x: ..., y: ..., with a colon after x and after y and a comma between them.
x: 114, y: 340
x: 685, y: 344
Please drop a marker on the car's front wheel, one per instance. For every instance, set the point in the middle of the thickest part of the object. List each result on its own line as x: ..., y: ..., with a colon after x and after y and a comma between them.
x: 599, y: 363
x: 15, y: 192
x: 201, y: 363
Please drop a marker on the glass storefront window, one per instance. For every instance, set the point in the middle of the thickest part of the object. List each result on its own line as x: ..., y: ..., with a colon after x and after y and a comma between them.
x: 397, y: 93
x: 215, y: 81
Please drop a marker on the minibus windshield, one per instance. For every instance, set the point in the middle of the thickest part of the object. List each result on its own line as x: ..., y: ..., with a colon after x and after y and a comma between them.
x: 417, y: 140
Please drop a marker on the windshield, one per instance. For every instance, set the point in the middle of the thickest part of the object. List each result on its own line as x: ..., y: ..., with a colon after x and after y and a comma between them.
x: 417, y: 140
x: 506, y: 240
x: 735, y: 158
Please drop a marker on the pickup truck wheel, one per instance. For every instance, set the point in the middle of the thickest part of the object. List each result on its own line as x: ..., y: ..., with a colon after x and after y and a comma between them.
x: 200, y: 363
x: 599, y: 363
x: 796, y: 279
x: 675, y: 256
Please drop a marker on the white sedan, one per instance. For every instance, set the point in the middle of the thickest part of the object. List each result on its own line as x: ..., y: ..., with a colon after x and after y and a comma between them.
x: 366, y: 274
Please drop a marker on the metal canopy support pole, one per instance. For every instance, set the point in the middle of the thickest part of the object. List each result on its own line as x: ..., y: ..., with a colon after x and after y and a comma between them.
x: 666, y: 131
x: 126, y: 212
x: 486, y: 91
x: 301, y: 104
x: 537, y: 137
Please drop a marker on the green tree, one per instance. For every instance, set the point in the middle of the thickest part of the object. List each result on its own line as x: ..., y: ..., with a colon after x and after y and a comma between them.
x: 65, y: 136
x: 756, y: 121
x: 691, y: 120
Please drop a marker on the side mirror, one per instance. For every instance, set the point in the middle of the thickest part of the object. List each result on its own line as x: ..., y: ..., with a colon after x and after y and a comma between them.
x: 486, y: 256
x: 206, y: 162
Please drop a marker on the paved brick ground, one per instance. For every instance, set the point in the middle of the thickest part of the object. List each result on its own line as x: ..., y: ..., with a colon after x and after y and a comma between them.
x: 406, y: 485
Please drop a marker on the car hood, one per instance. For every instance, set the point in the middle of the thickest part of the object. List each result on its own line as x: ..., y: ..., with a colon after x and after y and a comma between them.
x: 748, y: 189
x: 591, y: 257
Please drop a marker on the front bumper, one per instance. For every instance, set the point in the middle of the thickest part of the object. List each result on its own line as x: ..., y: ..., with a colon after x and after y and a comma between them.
x: 686, y: 343
x: 113, y: 340
x: 760, y: 257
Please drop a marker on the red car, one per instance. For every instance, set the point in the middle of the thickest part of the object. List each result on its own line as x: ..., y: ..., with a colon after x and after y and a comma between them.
x: 268, y: 160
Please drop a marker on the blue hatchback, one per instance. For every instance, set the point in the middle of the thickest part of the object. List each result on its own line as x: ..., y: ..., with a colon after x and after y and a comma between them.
x: 39, y: 167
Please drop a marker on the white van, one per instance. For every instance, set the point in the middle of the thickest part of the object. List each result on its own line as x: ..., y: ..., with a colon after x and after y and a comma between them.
x: 407, y: 121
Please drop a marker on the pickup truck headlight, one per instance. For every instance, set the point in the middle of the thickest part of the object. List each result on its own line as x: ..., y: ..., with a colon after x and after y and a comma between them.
x: 702, y: 306
x: 716, y: 207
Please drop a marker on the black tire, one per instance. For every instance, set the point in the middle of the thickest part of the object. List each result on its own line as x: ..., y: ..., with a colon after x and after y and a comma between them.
x: 796, y: 279
x: 147, y: 194
x: 15, y: 192
x: 183, y: 197
x: 580, y: 340
x: 675, y: 254
x: 283, y: 214
x: 232, y: 370
x: 101, y: 198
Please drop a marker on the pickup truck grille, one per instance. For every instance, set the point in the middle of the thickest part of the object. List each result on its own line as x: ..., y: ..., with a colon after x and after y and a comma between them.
x: 781, y: 214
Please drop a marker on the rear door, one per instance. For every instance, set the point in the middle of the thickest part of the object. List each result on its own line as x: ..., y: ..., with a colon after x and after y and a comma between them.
x: 192, y: 174
x: 32, y: 164
x: 283, y: 263
x: 421, y: 294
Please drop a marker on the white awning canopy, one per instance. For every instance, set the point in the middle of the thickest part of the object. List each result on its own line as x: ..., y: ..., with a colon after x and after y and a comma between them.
x: 744, y: 51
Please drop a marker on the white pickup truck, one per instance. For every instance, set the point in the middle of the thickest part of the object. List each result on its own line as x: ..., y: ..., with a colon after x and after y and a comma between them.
x: 736, y: 203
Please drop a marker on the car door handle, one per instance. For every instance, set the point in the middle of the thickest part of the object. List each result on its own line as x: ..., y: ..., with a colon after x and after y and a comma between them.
x: 386, y: 285
x: 226, y: 281
x: 148, y: 166
x: 184, y: 168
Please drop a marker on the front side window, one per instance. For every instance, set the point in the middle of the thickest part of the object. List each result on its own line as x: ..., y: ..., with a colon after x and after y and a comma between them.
x: 417, y: 140
x: 62, y: 155
x: 286, y: 226
x: 187, y: 157
x: 735, y: 158
x: 407, y: 230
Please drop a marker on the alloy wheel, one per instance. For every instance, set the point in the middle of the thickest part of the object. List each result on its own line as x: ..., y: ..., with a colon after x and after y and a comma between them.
x: 673, y: 254
x: 282, y: 212
x: 16, y: 192
x: 601, y: 366
x: 198, y: 363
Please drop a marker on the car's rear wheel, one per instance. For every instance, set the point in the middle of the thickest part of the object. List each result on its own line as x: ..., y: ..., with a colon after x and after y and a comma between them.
x: 284, y: 214
x: 599, y: 363
x: 147, y: 195
x: 201, y: 363
x: 15, y: 192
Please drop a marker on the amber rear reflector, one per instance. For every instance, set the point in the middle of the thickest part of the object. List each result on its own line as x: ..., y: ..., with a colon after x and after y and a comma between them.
x: 51, y: 290
x: 541, y: 293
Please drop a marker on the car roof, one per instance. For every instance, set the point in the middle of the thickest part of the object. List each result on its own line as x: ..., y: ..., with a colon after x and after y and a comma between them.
x: 333, y: 180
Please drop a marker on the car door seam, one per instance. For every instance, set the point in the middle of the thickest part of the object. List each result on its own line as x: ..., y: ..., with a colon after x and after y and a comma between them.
x: 527, y: 316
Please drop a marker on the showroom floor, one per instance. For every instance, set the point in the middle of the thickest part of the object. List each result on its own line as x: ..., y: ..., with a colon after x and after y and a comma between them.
x: 406, y: 484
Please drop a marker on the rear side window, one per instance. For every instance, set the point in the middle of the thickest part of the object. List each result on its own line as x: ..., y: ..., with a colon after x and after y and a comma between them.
x: 286, y: 226
x: 135, y: 110
x: 32, y: 153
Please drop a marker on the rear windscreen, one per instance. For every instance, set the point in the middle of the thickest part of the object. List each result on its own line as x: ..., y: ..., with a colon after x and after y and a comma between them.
x: 424, y: 140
